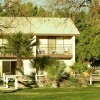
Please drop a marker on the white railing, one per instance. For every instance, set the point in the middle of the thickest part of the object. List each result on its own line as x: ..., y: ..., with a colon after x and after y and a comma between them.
x: 57, y: 49
x: 6, y: 79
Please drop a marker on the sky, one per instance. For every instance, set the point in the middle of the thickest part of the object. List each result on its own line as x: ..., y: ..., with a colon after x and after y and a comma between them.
x: 37, y: 2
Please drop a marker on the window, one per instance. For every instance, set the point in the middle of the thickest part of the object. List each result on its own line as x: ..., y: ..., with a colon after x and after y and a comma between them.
x: 51, y: 45
x: 55, y: 44
x: 9, y: 67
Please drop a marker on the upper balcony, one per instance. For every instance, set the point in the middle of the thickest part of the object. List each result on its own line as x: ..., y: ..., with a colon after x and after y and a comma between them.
x: 8, y: 55
x: 55, y: 51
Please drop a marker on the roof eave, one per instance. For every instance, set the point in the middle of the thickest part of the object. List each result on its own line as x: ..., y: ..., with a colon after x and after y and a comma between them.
x: 56, y: 34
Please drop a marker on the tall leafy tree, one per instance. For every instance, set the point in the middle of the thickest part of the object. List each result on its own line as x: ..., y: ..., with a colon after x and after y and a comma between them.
x: 41, y: 12
x: 29, y: 9
x: 64, y: 12
x: 17, y: 8
x: 73, y: 5
x: 88, y: 46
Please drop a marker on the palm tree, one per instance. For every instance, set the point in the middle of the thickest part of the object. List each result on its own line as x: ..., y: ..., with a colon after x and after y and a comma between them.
x: 20, y: 45
x: 53, y: 67
x: 54, y: 70
x: 39, y: 63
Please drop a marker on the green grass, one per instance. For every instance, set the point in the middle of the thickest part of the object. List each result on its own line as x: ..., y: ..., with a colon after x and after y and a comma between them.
x: 86, y: 93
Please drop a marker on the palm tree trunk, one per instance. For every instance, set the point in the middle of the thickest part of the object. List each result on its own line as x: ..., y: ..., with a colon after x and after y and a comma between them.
x: 19, y: 68
x: 19, y: 71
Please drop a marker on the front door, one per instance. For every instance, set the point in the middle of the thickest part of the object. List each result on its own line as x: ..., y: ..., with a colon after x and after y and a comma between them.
x: 13, y: 67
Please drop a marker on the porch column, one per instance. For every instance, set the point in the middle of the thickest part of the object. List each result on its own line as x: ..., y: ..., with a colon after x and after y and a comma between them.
x: 34, y: 48
x: 90, y: 79
x: 16, y: 83
x: 6, y: 82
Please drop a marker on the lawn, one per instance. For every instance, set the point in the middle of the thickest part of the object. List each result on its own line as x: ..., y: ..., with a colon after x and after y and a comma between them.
x: 86, y: 93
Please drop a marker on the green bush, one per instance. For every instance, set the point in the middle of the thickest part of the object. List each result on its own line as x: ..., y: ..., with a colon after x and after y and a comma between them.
x: 68, y: 83
x: 54, y: 69
x: 79, y: 67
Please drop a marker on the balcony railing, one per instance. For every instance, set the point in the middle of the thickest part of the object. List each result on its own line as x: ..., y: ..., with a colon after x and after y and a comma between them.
x: 4, y: 53
x: 58, y: 50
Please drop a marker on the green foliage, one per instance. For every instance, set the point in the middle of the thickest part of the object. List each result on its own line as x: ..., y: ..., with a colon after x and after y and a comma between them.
x: 41, y: 12
x: 0, y: 8
x: 19, y: 44
x: 72, y: 79
x: 30, y: 9
x: 79, y: 67
x: 19, y: 9
x: 54, y: 69
x: 64, y: 12
x: 88, y: 45
x: 40, y: 62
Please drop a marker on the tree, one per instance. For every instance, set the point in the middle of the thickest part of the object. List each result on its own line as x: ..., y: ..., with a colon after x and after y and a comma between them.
x: 73, y: 5
x: 0, y: 8
x: 29, y: 10
x: 20, y: 45
x: 17, y: 8
x: 12, y: 8
x: 54, y: 70
x: 87, y: 45
x: 40, y: 63
x: 64, y: 12
x: 53, y: 67
x: 43, y: 12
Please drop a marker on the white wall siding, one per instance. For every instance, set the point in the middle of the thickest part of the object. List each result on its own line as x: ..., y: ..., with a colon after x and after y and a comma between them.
x: 1, y: 67
x: 34, y: 48
x: 44, y: 45
x: 27, y: 65
x: 73, y: 49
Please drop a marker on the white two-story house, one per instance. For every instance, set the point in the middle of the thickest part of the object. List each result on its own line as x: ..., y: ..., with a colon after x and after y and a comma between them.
x: 56, y: 38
